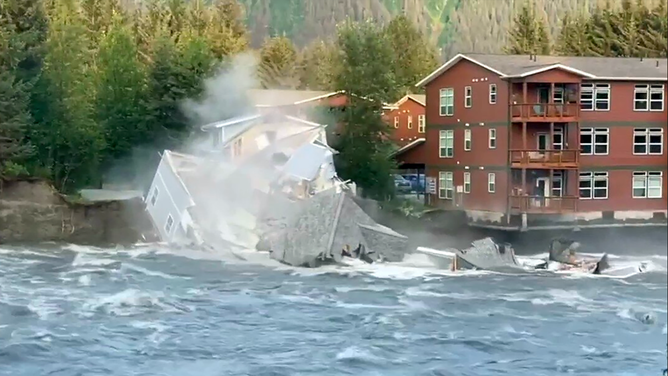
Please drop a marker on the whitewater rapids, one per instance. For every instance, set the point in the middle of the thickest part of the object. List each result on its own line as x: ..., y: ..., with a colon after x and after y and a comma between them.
x: 153, y: 310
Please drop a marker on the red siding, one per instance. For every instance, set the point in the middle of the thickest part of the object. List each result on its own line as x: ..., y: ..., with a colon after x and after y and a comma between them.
x: 621, y: 105
x: 402, y: 135
x: 620, y: 195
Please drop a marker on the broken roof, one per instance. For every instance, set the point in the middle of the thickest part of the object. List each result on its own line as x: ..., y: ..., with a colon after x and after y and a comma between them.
x: 274, y: 98
x: 603, y: 68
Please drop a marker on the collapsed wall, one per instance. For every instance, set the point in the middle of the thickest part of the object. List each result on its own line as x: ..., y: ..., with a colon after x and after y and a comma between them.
x: 33, y: 211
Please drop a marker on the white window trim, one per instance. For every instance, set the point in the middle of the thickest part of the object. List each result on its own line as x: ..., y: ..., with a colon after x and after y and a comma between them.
x: 421, y: 124
x: 645, y: 178
x: 592, y: 177
x: 445, y: 192
x: 169, y: 230
x: 491, y: 135
x: 492, y: 94
x: 491, y: 182
x: 468, y: 97
x: 468, y: 143
x: 444, y: 93
x: 409, y: 122
x: 467, y: 182
x: 648, y: 90
x: 154, y: 196
x: 594, y: 132
x: 647, y: 132
x: 594, y: 88
x: 396, y: 122
x: 443, y: 137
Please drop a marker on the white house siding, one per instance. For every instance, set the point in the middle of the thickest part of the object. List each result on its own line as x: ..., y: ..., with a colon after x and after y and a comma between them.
x: 173, y: 199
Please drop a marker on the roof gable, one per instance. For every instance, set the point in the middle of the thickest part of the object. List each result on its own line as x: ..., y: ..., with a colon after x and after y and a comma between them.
x: 417, y: 98
x: 600, y: 68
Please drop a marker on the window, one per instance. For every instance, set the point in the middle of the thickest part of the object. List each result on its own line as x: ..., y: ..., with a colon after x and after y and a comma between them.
x: 647, y: 184
x: 595, y: 97
x: 396, y: 122
x: 558, y: 96
x: 467, y: 182
x: 557, y: 184
x: 468, y: 100
x: 648, y: 141
x: 492, y: 138
x: 445, y: 185
x: 154, y: 196
x: 410, y: 122
x: 447, y: 102
x: 421, y: 124
x: 467, y: 139
x: 492, y: 93
x: 169, y: 224
x: 594, y: 141
x: 594, y: 185
x: 491, y: 182
x: 648, y: 98
x: 446, y: 144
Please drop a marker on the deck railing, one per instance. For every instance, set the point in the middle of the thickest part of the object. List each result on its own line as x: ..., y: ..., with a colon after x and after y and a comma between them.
x: 547, y: 111
x: 556, y: 157
x: 541, y: 204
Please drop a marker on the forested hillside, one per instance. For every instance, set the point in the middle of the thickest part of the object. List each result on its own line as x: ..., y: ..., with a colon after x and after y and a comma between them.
x: 453, y: 25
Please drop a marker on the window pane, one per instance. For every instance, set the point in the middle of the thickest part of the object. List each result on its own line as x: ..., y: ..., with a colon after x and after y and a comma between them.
x: 639, y: 192
x: 585, y: 183
x: 640, y: 149
x: 656, y: 105
x: 599, y: 183
x: 601, y: 149
x: 655, y: 148
x: 640, y: 105
x: 600, y: 192
x: 585, y: 193
x: 601, y: 138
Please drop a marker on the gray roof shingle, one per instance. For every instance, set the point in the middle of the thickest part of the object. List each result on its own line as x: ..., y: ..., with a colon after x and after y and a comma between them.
x: 596, y: 67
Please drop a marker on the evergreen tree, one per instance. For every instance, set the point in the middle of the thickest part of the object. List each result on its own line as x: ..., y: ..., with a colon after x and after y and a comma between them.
x: 27, y: 23
x: 277, y: 67
x: 573, y: 38
x: 318, y: 66
x: 14, y: 112
x: 654, y: 30
x: 528, y: 34
x: 414, y: 57
x: 368, y: 82
x: 68, y: 141
x: 121, y: 87
x: 226, y: 31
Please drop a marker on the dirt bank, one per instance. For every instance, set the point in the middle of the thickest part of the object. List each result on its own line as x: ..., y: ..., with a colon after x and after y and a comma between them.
x: 32, y: 211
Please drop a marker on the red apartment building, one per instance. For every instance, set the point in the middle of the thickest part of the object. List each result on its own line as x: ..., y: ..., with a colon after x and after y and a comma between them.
x: 407, y: 120
x: 522, y: 142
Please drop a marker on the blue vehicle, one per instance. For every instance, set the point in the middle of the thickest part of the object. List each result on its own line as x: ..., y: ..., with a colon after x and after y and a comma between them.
x: 401, y: 184
x: 418, y: 183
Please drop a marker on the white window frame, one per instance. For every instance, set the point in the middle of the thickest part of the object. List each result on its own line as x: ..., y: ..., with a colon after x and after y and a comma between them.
x: 421, y: 124
x: 592, y: 178
x: 491, y: 182
x: 409, y: 122
x: 169, y: 226
x: 491, y: 135
x: 648, y: 181
x: 593, y: 132
x: 647, y: 133
x: 447, y: 102
x: 445, y: 185
x: 396, y: 122
x: 154, y: 196
x: 467, y: 182
x: 648, y: 101
x: 467, y: 140
x: 446, y: 143
x: 594, y: 90
x: 492, y: 94
x: 468, y: 97
x: 557, y: 177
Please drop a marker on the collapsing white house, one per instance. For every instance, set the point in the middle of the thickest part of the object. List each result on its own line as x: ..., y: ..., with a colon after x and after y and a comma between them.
x: 257, y: 186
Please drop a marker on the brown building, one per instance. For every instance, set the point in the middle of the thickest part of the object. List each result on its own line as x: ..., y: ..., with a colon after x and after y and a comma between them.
x: 407, y: 119
x: 542, y: 141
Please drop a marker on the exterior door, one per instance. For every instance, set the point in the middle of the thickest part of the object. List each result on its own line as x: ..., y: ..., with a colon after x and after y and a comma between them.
x: 543, y: 192
x: 544, y: 95
x: 543, y: 141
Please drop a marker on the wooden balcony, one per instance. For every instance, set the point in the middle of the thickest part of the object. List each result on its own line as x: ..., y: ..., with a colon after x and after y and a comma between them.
x: 545, y: 112
x: 543, y: 205
x: 535, y: 158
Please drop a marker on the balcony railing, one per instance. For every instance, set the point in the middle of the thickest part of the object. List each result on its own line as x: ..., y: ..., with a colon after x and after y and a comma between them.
x: 544, y: 111
x: 536, y: 158
x: 541, y: 204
